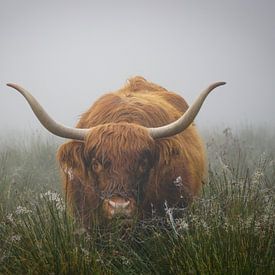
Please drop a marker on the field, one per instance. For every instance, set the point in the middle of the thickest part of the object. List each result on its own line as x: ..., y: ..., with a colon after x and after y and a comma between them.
x: 229, y: 229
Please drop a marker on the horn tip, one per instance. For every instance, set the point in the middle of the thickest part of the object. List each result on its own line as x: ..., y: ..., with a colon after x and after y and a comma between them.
x: 215, y: 85
x: 220, y: 83
x: 17, y: 87
x: 12, y: 85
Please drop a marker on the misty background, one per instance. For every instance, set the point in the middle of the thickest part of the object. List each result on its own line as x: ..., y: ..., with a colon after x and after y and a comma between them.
x: 68, y: 53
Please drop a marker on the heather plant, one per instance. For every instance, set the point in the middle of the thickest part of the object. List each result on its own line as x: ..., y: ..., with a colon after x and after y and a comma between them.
x: 229, y: 229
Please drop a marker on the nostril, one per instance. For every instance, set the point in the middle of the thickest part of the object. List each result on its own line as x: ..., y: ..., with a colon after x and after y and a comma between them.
x: 119, y: 205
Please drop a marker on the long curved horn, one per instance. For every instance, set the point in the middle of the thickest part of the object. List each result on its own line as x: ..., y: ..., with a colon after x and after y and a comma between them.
x: 186, y: 119
x: 51, y: 125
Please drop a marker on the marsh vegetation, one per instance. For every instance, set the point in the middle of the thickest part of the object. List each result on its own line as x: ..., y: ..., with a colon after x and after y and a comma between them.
x: 229, y: 229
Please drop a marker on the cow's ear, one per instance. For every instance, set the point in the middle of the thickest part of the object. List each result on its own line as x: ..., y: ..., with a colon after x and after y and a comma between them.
x: 70, y: 156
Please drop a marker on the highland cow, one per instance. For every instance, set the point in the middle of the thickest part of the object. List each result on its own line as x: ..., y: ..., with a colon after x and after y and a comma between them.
x: 133, y: 150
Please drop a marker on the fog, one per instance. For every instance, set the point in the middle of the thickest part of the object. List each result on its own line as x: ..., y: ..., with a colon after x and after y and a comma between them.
x: 68, y: 53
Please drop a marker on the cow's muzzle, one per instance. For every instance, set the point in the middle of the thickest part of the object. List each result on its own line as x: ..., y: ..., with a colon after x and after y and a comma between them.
x: 118, y: 207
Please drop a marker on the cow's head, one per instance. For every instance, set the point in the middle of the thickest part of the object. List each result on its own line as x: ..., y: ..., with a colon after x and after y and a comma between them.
x: 119, y: 158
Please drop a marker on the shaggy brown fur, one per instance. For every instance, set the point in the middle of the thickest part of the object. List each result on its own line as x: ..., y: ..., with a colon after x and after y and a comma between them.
x: 119, y: 156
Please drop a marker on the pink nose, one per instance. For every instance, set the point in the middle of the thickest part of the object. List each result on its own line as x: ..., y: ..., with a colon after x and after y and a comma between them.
x: 117, y: 206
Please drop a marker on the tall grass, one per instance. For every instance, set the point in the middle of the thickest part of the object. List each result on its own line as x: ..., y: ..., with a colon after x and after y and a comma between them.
x: 229, y: 229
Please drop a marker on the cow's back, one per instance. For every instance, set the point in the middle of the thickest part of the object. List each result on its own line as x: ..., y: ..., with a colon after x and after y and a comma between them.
x: 139, y: 102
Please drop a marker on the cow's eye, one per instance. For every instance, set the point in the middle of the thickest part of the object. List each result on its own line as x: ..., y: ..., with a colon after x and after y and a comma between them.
x: 143, y: 165
x: 96, y: 166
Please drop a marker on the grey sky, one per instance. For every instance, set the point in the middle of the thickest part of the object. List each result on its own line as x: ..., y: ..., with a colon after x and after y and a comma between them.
x: 68, y: 53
